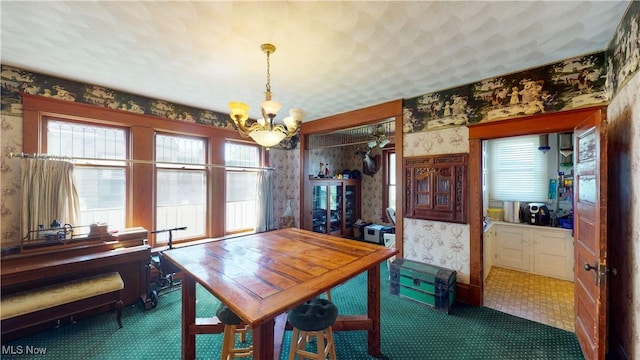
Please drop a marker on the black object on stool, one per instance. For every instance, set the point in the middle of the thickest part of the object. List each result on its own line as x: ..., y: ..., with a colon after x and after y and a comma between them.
x: 231, y: 322
x: 313, y: 318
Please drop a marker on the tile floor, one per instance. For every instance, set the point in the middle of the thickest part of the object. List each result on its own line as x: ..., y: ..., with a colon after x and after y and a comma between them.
x: 534, y: 297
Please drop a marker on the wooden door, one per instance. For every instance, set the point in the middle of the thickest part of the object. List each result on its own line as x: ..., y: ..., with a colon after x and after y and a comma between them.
x: 590, y: 222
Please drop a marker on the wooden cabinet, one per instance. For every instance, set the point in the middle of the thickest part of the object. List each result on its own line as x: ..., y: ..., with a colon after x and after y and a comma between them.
x: 539, y: 250
x: 335, y: 206
x: 436, y: 187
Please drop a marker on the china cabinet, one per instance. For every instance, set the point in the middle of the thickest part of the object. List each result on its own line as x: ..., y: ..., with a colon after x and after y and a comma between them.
x: 335, y: 206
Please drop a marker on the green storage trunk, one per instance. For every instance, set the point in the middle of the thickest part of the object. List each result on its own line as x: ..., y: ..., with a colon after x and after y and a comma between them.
x: 428, y: 284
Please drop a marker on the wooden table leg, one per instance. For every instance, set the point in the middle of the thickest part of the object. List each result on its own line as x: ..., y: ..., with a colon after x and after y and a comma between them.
x: 373, y: 310
x: 279, y: 328
x: 188, y: 318
x: 263, y: 340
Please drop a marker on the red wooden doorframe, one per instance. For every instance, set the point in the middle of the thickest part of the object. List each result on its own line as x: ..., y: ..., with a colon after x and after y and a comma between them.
x: 590, y: 235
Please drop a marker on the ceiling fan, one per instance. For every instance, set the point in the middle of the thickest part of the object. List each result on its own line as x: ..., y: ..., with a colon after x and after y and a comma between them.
x: 380, y: 140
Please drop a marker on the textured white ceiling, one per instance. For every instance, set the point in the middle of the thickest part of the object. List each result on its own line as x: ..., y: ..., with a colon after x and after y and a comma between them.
x: 331, y: 57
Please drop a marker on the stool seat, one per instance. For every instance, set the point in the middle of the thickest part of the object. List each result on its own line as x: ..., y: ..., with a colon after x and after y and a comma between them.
x: 227, y: 316
x: 313, y: 315
x: 231, y: 322
x: 312, y: 319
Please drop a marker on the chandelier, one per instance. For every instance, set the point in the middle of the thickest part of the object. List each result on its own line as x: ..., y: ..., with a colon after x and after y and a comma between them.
x: 263, y: 131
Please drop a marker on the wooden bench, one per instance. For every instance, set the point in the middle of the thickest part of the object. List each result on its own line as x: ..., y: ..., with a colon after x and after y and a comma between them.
x: 35, y: 306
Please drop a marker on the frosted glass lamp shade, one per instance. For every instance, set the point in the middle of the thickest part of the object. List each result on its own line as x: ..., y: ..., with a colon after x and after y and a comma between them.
x: 267, y: 138
x: 239, y: 110
x: 271, y: 107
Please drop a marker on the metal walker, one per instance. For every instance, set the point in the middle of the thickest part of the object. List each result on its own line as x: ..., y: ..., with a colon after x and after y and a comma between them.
x: 165, y: 282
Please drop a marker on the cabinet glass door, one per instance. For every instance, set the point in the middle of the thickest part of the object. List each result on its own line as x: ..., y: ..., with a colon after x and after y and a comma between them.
x: 350, y: 206
x: 335, y: 203
x: 320, y: 207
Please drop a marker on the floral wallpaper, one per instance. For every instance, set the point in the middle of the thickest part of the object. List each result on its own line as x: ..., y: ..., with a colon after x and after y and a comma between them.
x: 286, y: 182
x: 623, y: 115
x: 445, y: 141
x: 433, y: 242
x: 10, y: 174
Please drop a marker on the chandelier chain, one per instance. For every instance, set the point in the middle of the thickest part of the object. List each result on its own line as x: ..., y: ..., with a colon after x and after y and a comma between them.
x: 268, y: 73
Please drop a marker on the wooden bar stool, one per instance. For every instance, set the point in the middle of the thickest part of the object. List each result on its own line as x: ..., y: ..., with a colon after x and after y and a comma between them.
x: 314, y: 318
x: 231, y: 322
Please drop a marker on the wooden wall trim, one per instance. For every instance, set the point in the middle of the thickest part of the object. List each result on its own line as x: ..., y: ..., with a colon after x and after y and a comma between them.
x: 32, y: 106
x: 364, y: 116
x: 468, y: 294
x: 535, y: 124
x: 476, y: 248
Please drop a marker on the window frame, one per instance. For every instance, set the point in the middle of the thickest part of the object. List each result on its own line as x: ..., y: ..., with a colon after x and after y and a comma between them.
x: 386, y: 176
x: 531, y: 171
x: 51, y: 117
x: 140, y: 146
x: 186, y: 167
x: 238, y: 169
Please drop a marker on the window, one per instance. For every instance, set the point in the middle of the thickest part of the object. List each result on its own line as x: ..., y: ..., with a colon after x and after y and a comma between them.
x: 516, y: 169
x: 100, y: 172
x: 389, y: 181
x: 181, y: 195
x: 241, y: 187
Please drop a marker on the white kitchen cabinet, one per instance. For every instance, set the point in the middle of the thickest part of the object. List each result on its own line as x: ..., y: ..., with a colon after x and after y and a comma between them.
x: 489, y: 241
x: 539, y: 250
x: 513, y: 247
x: 553, y: 253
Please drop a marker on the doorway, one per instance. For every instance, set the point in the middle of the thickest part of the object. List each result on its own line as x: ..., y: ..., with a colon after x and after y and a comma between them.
x: 528, y: 260
x: 549, y: 123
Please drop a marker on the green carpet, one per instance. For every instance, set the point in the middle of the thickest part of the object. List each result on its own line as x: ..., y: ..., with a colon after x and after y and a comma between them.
x: 410, y: 331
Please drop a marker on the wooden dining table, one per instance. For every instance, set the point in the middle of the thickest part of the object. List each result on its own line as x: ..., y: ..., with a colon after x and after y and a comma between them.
x: 262, y: 276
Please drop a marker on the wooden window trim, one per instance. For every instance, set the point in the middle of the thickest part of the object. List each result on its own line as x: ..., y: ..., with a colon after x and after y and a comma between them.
x: 142, y: 128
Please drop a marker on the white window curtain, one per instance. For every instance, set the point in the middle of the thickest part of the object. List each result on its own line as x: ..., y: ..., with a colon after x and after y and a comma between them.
x: 264, y: 201
x: 517, y: 170
x: 48, y: 193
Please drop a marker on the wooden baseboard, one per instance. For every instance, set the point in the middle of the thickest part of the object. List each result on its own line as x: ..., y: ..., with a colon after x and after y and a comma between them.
x: 468, y: 294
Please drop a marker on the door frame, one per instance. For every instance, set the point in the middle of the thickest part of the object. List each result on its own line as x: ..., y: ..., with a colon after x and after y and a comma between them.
x: 564, y: 121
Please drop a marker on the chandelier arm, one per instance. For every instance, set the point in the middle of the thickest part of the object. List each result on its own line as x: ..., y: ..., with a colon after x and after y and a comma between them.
x: 242, y: 128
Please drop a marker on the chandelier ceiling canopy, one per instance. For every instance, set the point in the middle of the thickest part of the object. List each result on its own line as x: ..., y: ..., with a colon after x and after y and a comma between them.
x: 264, y: 131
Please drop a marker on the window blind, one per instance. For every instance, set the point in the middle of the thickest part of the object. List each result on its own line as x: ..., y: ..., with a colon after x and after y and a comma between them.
x: 517, y: 169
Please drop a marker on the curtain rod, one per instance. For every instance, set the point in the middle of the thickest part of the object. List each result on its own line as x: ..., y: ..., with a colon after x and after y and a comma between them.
x: 150, y: 162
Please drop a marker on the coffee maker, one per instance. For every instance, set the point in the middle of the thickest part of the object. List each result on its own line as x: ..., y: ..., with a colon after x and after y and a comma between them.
x: 535, y: 214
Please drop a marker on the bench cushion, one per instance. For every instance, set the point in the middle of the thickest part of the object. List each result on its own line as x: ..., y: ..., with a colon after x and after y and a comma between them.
x: 54, y: 295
